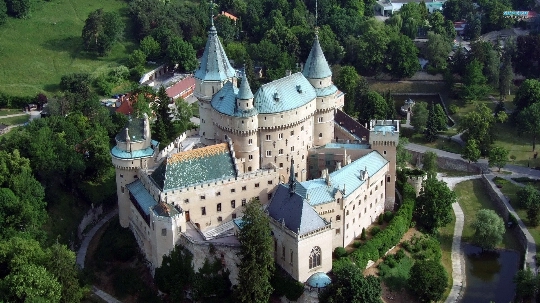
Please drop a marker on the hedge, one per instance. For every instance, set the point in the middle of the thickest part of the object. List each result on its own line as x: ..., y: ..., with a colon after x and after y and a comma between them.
x: 7, y: 101
x: 384, y: 240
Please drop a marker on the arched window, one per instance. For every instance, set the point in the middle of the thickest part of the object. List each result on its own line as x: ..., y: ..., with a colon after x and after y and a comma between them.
x: 315, y: 257
x: 219, y: 207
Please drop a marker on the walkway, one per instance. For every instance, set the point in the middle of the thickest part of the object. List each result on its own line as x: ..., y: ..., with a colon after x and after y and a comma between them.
x: 104, y: 296
x: 458, y: 259
x: 81, y: 253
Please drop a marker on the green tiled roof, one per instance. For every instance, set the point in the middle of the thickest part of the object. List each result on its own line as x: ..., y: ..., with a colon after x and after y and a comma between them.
x: 349, y: 176
x: 135, y: 128
x: 196, y: 166
x: 316, y: 66
x: 326, y: 91
x: 384, y: 128
x: 142, y: 196
x: 245, y: 92
x: 224, y: 101
x: 136, y: 154
x: 284, y: 94
x: 214, y: 63
x: 346, y: 145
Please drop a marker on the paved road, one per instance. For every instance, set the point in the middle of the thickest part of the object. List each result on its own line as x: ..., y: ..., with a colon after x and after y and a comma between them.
x: 81, y: 253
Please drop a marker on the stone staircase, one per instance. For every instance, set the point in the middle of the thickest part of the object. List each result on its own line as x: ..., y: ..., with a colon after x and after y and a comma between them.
x: 222, y: 230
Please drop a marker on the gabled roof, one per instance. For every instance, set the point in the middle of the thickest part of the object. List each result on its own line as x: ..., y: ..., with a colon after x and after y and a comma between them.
x: 284, y: 94
x: 317, y: 191
x: 291, y: 209
x: 224, y: 101
x: 215, y: 65
x: 181, y: 86
x: 201, y: 165
x: 316, y: 66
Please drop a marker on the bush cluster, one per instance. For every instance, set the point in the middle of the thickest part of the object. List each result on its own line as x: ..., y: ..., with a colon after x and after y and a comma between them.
x: 389, y: 237
x: 7, y: 101
x: 340, y: 252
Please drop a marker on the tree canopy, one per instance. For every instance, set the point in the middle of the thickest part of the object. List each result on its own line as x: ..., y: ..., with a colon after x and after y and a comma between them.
x: 434, y: 205
x: 488, y: 229
x: 101, y: 31
x: 428, y: 280
x: 350, y: 285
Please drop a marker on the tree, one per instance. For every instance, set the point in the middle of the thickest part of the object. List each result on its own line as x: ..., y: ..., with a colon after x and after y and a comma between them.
x: 402, y: 57
x: 478, y: 125
x: 176, y: 273
x: 526, y: 285
x: 180, y: 53
x: 347, y: 80
x: 437, y: 50
x: 373, y: 106
x: 256, y: 259
x: 474, y: 81
x: 31, y: 283
x: 403, y: 156
x: 3, y: 12
x: 18, y: 8
x: 498, y: 157
x: 350, y: 285
x: 471, y: 151
x: 429, y: 164
x: 61, y: 264
x: 419, y: 117
x: 527, y: 195
x: 473, y: 29
x: 412, y: 19
x: 528, y: 121
x: 137, y: 58
x: 212, y: 280
x: 432, y: 125
x: 150, y: 47
x: 488, y: 229
x: 527, y: 94
x: 428, y: 280
x: 456, y: 10
x: 434, y: 205
x: 101, y: 31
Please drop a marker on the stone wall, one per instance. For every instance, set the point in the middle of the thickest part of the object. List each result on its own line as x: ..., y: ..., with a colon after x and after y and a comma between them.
x: 448, y: 163
x: 90, y: 217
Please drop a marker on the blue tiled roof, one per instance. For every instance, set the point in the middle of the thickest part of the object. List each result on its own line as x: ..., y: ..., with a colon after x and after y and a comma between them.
x: 142, y: 196
x: 316, y: 66
x: 284, y: 94
x: 136, y: 154
x: 224, y: 101
x: 245, y: 92
x: 349, y: 176
x: 319, y: 279
x: 214, y: 63
x: 346, y: 145
x: 297, y: 215
x: 384, y: 128
x: 196, y: 166
x: 326, y: 91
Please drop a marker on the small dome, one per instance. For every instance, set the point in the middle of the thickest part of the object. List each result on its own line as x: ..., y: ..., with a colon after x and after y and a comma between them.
x: 318, y: 279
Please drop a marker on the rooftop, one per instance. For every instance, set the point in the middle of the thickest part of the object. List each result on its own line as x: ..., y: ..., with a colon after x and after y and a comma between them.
x: 136, y: 154
x: 215, y: 65
x: 284, y: 94
x: 224, y: 101
x: 180, y: 87
x: 316, y: 66
x: 135, y: 128
x: 196, y: 166
x: 142, y: 196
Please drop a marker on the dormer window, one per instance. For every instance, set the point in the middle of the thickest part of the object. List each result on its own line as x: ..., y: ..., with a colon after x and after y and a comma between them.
x: 276, y: 97
x: 299, y: 89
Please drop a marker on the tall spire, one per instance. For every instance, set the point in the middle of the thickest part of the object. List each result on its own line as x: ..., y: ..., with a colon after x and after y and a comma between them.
x: 215, y: 65
x: 211, y: 13
x: 244, y: 92
x: 316, y: 66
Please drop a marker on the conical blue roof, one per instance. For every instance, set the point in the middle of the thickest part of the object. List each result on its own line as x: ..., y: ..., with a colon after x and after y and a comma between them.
x: 215, y: 65
x: 244, y: 93
x: 316, y: 66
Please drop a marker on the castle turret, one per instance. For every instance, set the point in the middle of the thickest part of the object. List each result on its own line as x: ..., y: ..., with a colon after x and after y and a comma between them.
x: 134, y: 150
x: 212, y: 74
x: 318, y: 72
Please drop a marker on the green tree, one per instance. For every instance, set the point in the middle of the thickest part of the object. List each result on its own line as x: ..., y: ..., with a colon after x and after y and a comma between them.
x: 137, y: 58
x: 471, y: 151
x: 432, y: 125
x: 150, y: 47
x: 456, y: 10
x: 350, y: 285
x: 526, y: 285
x: 428, y: 280
x: 498, y: 157
x: 434, y: 205
x: 403, y: 156
x: 101, y: 31
x: 527, y: 195
x: 474, y: 81
x: 256, y: 259
x: 429, y: 164
x: 437, y: 50
x: 478, y: 125
x: 3, y: 12
x: 61, y: 264
x: 181, y: 54
x: 19, y: 8
x: 473, y: 29
x: 212, y: 280
x: 528, y: 121
x: 533, y: 213
x: 441, y: 121
x: 347, y: 80
x: 373, y: 106
x: 412, y: 19
x: 402, y: 59
x: 488, y: 229
x: 176, y: 273
x: 527, y: 94
x: 237, y: 52
x: 31, y: 283
x: 419, y: 117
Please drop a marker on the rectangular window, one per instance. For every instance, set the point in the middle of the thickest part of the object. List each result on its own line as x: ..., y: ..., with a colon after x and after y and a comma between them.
x: 203, y: 211
x: 203, y: 197
x: 233, y: 204
x: 122, y: 189
x: 219, y: 207
x: 338, y: 231
x: 269, y: 196
x: 388, y: 179
x: 319, y: 119
x: 292, y: 254
x: 218, y: 193
x: 281, y: 165
x: 280, y: 151
x: 243, y: 187
x: 256, y: 184
x: 268, y: 137
x: 292, y: 148
x: 219, y: 219
x: 233, y: 190
x: 250, y: 157
x: 269, y: 182
x: 292, y: 132
x: 283, y: 251
x: 250, y: 141
x: 186, y: 201
x: 163, y: 231
x: 234, y: 216
x: 244, y: 202
x: 269, y: 153
x: 302, y: 128
x: 280, y: 136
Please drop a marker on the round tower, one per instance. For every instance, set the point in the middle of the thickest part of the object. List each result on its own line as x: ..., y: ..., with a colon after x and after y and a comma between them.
x: 212, y: 74
x: 246, y: 143
x: 319, y: 75
x: 134, y: 150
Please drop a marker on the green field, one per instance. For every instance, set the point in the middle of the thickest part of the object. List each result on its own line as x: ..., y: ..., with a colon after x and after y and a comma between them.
x: 36, y: 52
x: 15, y: 120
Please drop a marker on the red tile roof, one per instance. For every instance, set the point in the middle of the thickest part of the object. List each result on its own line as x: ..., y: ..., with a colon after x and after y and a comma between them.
x: 181, y: 87
x: 125, y: 105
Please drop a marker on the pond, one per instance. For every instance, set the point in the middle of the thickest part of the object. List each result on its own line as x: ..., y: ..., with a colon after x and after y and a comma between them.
x: 489, y: 275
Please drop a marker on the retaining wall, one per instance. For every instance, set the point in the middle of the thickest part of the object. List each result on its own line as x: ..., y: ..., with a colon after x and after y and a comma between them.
x: 448, y: 163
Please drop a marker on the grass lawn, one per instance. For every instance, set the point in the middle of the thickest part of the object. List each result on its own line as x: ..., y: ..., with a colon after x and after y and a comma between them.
x: 445, y: 237
x: 15, y: 120
x: 408, y: 86
x: 472, y: 197
x: 37, y: 51
x: 9, y: 111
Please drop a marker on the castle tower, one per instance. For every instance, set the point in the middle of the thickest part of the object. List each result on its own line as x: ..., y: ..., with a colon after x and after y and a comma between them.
x: 134, y: 149
x: 384, y: 138
x: 317, y: 71
x: 246, y: 140
x: 212, y: 74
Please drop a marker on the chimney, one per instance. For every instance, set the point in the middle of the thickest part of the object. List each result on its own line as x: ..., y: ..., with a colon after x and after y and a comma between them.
x: 324, y: 173
x: 288, y: 73
x: 338, y: 165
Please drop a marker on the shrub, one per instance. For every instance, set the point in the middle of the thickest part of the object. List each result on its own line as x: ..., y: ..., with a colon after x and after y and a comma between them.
x: 388, y: 216
x: 453, y: 109
x: 363, y: 235
x: 285, y: 285
x: 357, y: 244
x: 381, y: 219
x: 340, y: 252
x: 375, y: 230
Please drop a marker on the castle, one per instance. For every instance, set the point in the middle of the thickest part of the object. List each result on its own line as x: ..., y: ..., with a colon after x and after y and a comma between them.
x: 321, y: 176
